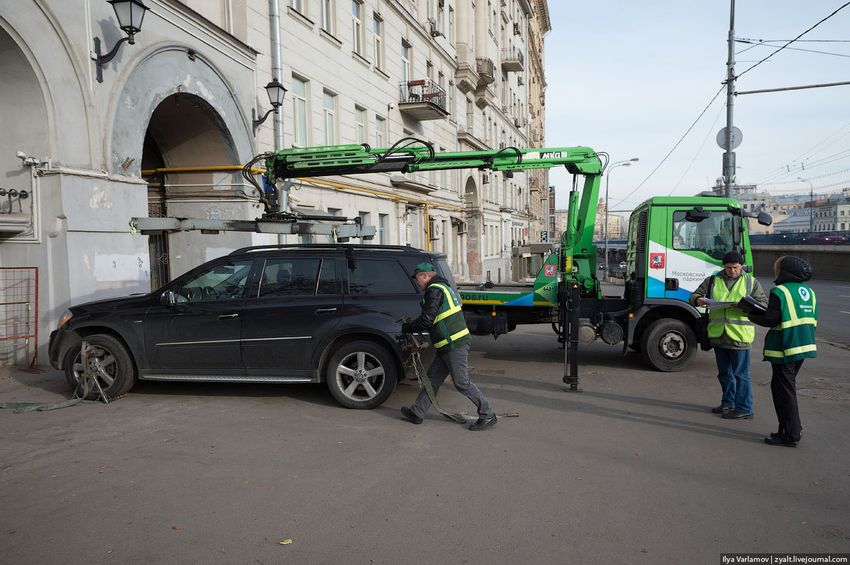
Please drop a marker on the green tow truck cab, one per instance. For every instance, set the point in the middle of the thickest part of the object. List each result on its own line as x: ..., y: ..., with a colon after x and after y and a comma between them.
x: 674, y: 243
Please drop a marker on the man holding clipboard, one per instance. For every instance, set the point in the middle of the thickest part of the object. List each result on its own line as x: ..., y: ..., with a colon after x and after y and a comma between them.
x: 731, y: 332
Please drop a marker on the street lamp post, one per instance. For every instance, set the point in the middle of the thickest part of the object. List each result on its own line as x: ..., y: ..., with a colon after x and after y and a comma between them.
x: 811, y: 204
x: 611, y: 167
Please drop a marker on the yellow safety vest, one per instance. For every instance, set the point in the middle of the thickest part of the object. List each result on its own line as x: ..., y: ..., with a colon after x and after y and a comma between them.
x: 731, y: 320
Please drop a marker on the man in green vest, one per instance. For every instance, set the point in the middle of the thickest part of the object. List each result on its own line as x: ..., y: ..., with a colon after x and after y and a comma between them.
x: 792, y: 316
x: 442, y: 318
x: 731, y: 333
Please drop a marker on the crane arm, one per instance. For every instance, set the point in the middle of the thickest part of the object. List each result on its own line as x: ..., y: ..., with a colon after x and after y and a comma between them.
x: 420, y: 156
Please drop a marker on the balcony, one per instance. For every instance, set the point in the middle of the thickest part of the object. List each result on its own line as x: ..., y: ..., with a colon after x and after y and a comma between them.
x: 466, y: 76
x: 485, y: 96
x: 422, y: 99
x: 486, y: 70
x: 512, y: 60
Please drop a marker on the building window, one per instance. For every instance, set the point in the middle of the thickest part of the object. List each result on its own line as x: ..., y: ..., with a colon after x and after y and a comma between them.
x: 327, y: 16
x: 383, y: 225
x: 297, y: 5
x: 405, y: 61
x: 378, y: 38
x: 365, y: 220
x: 359, y: 124
x: 329, y: 114
x: 357, y: 26
x: 451, y: 25
x: 300, y: 112
x: 380, y: 132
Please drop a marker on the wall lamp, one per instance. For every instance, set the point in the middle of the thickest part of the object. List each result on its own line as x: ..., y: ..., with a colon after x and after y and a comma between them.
x: 130, y: 14
x: 276, y: 92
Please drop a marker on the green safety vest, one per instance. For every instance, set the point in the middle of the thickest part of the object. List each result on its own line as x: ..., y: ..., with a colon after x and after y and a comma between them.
x: 732, y: 320
x: 794, y: 337
x: 449, y: 330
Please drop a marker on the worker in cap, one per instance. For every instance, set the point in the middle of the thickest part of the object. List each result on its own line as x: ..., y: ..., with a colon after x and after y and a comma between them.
x: 443, y: 320
x: 731, y: 333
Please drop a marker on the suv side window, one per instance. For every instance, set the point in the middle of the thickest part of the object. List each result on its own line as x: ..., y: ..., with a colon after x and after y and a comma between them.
x: 375, y: 276
x: 330, y: 282
x: 225, y: 281
x: 294, y: 276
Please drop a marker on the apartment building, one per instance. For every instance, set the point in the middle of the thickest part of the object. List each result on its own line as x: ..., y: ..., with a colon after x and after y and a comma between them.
x: 106, y: 120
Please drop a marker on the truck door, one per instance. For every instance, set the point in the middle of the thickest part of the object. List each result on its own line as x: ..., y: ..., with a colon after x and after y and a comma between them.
x: 688, y: 250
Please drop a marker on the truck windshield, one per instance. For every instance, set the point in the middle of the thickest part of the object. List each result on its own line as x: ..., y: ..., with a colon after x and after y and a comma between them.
x: 713, y: 236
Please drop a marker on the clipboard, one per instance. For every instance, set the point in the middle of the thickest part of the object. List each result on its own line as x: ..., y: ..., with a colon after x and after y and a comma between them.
x: 749, y: 305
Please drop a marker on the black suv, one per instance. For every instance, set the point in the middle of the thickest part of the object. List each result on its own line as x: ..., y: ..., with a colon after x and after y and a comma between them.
x: 267, y: 314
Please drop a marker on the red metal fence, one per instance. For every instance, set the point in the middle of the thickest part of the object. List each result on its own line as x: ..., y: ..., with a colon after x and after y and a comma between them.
x: 19, y: 316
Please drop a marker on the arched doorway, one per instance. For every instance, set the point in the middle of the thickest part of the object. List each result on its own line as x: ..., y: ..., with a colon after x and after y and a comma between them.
x: 185, y: 131
x: 23, y: 113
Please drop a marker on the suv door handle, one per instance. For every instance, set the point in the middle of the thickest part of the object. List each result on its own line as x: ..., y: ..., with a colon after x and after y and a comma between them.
x: 325, y: 310
x: 226, y: 316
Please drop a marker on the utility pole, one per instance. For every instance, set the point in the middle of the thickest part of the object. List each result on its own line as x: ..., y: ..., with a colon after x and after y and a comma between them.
x: 729, y: 155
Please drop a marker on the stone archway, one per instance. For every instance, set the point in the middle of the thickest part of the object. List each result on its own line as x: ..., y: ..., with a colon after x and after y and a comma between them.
x: 185, y: 131
x: 176, y: 111
x: 23, y: 113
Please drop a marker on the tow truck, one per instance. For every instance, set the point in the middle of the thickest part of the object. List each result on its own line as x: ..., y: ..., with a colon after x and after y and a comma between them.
x: 673, y: 244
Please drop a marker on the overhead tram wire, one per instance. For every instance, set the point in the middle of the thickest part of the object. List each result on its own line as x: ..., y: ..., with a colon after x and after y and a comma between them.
x: 793, y: 40
x: 840, y: 156
x: 801, y: 159
x: 684, y: 135
x: 699, y: 151
x: 789, y: 49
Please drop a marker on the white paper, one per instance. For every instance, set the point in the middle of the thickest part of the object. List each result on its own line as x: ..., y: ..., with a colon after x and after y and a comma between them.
x: 717, y: 304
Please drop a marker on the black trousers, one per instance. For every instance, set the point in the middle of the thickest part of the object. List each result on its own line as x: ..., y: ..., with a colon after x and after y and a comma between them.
x: 783, y: 387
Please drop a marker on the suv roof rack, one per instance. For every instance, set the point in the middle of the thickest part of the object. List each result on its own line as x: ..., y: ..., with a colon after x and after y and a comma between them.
x: 335, y: 246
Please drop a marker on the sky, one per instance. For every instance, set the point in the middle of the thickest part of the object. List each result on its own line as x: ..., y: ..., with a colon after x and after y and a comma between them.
x: 630, y: 77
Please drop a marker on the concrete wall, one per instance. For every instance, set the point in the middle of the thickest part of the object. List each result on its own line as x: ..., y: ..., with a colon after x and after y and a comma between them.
x: 828, y: 262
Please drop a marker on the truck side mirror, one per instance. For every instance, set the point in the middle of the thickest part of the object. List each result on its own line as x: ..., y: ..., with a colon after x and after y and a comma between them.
x: 764, y: 218
x: 168, y: 299
x: 697, y: 214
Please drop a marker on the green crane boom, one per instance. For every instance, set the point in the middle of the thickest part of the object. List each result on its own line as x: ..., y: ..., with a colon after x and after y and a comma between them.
x: 409, y: 155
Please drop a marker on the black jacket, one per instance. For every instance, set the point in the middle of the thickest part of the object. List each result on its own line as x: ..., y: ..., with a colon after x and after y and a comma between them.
x: 792, y: 269
x: 433, y: 299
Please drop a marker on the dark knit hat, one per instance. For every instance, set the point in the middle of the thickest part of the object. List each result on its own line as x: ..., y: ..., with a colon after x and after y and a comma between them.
x: 794, y: 269
x: 733, y: 257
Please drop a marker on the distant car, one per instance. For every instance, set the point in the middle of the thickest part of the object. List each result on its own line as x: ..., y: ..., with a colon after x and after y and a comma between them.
x: 827, y: 239
x: 269, y: 314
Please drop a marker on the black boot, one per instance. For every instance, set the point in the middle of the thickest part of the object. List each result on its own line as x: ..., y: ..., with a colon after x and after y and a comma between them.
x: 483, y: 423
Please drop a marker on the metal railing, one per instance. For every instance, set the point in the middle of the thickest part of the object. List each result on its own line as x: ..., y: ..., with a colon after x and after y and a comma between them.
x: 422, y: 90
x: 513, y: 54
x: 19, y: 315
x: 486, y: 69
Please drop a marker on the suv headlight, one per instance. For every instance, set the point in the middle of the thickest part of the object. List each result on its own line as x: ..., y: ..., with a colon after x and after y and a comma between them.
x: 64, y: 319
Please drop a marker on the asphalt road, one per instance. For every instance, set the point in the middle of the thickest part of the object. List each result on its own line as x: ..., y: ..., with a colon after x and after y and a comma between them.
x: 632, y: 470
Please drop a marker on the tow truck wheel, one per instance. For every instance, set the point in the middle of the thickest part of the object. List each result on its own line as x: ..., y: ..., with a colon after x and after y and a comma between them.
x: 361, y: 375
x: 668, y: 344
x: 108, y: 361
